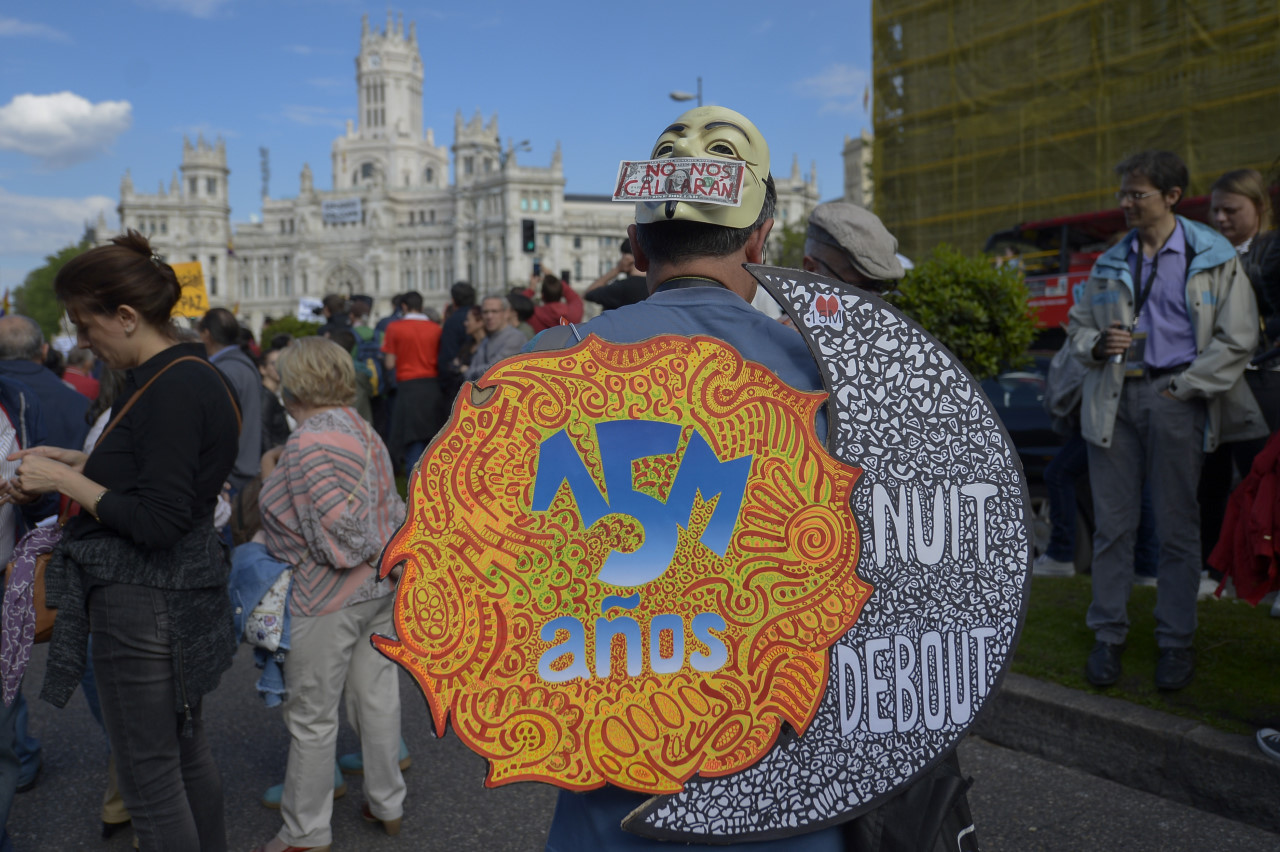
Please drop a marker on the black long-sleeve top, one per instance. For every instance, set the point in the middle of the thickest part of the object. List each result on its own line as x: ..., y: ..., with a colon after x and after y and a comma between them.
x: 166, y: 460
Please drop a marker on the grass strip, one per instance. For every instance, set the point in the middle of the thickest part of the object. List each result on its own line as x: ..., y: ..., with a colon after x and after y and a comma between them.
x: 1237, y: 682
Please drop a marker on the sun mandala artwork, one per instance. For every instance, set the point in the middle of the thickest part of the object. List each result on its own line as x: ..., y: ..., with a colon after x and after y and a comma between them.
x: 626, y: 564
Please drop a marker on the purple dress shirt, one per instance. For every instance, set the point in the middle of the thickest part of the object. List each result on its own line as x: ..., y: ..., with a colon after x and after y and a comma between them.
x: 1171, y: 339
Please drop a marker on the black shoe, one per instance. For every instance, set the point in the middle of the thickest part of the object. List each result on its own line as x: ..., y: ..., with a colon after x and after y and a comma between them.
x: 30, y: 783
x: 1175, y: 668
x: 109, y: 829
x: 1103, y: 667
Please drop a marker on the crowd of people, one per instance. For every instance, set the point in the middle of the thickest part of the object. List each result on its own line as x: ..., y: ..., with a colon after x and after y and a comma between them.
x: 206, y: 490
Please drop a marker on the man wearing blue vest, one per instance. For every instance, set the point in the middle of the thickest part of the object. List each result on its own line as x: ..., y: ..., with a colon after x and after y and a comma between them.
x: 1166, y: 325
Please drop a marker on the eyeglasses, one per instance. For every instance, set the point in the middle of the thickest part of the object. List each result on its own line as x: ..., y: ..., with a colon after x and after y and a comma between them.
x: 1135, y: 196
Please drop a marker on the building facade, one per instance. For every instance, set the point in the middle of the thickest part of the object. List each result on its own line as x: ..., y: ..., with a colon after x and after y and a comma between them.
x: 985, y: 119
x: 858, y: 186
x: 393, y: 220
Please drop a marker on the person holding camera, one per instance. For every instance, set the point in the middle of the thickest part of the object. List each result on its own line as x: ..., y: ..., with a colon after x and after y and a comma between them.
x: 1165, y: 326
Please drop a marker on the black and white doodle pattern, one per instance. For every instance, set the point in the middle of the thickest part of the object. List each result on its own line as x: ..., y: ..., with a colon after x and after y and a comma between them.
x: 932, y: 451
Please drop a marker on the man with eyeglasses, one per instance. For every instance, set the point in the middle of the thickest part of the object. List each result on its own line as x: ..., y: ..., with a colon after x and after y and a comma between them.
x: 1166, y: 325
x: 850, y: 243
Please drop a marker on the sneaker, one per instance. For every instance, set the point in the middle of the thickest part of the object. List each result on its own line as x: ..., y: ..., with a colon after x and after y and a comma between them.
x: 1269, y: 742
x: 1275, y: 608
x: 1145, y: 580
x: 1175, y: 668
x: 1047, y: 567
x: 1208, y: 587
x: 1103, y: 666
x: 353, y: 764
x: 271, y: 798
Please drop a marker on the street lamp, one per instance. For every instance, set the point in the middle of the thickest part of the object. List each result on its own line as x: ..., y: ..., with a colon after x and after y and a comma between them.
x: 503, y: 156
x: 688, y: 96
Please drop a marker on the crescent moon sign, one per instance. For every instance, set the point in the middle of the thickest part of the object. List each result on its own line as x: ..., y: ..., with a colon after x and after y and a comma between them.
x: 943, y: 505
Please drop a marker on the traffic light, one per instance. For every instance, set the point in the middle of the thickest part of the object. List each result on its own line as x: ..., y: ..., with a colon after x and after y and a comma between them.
x: 528, y: 236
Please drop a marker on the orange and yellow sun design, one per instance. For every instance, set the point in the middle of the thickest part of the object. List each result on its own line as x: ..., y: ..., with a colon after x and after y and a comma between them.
x: 556, y: 675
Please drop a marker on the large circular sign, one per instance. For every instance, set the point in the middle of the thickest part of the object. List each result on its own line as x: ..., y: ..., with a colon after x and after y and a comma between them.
x: 636, y: 564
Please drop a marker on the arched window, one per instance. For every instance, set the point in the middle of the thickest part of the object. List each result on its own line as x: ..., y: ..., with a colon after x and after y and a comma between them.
x: 431, y: 175
x: 366, y: 170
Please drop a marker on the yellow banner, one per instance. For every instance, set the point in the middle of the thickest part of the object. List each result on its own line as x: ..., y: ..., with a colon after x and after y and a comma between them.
x: 195, y: 299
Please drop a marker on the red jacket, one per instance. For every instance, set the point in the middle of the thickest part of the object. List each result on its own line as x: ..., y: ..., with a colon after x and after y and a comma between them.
x: 548, y: 315
x: 1246, y: 551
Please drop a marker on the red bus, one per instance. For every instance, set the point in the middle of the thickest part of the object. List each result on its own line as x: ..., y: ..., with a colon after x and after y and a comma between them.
x: 1056, y: 255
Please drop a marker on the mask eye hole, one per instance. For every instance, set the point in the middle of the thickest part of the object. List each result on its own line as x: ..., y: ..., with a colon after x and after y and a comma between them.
x: 722, y: 148
x: 663, y: 149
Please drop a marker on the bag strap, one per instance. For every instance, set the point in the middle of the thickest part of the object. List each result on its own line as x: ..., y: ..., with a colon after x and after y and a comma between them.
x: 133, y: 399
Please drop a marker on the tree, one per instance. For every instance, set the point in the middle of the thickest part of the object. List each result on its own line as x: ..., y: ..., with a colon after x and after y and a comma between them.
x: 36, y: 299
x: 974, y: 308
x: 289, y: 325
x: 788, y: 243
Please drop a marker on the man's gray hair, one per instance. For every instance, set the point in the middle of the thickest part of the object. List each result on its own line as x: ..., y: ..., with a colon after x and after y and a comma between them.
x: 20, y: 339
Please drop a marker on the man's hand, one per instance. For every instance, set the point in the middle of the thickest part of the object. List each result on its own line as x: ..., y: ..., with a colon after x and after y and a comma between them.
x: 1114, y: 341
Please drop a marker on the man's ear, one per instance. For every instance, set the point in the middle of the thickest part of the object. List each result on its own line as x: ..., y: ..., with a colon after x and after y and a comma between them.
x: 809, y: 264
x: 642, y: 260
x: 755, y: 243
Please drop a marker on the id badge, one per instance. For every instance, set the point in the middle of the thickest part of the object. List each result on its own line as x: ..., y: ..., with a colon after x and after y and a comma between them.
x: 1134, y: 361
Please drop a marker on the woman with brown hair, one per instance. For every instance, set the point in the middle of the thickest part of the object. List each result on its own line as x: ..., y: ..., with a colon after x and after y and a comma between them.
x: 329, y: 504
x: 140, y: 567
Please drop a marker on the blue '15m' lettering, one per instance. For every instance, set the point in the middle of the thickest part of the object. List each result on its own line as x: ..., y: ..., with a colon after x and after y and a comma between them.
x: 621, y: 443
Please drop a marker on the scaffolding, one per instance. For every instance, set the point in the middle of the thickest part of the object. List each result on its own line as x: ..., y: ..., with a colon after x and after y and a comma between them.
x: 989, y: 113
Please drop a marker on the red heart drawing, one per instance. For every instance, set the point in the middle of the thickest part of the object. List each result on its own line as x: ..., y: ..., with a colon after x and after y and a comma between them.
x: 828, y: 306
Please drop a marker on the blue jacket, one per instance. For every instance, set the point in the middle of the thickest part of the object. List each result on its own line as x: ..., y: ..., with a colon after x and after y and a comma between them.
x: 1223, y: 315
x: 253, y: 570
x: 20, y: 404
x: 63, y: 409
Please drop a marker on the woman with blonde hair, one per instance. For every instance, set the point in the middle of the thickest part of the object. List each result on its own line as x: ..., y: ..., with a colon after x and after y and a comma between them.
x: 1241, y: 209
x: 329, y: 503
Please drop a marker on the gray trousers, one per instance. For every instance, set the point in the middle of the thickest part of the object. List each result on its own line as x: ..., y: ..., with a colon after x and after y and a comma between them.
x: 1161, y: 440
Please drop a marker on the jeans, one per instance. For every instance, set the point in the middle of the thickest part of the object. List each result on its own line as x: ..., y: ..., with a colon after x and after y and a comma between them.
x: 412, y: 453
x: 1060, y: 476
x: 8, y: 767
x: 25, y: 746
x: 170, y: 783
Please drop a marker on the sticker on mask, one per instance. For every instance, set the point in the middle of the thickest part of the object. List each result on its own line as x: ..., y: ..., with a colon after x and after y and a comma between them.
x: 705, y: 181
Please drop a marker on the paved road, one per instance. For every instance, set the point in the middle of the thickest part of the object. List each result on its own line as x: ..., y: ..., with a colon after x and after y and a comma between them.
x: 1021, y: 803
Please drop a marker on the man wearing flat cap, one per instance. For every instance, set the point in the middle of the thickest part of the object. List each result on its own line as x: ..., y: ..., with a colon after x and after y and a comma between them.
x: 850, y: 243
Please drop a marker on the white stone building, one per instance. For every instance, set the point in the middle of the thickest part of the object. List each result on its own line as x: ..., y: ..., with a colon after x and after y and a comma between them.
x: 393, y: 221
x: 859, y: 188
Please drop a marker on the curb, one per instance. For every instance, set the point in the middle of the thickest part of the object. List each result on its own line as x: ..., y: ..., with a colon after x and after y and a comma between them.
x: 1172, y: 757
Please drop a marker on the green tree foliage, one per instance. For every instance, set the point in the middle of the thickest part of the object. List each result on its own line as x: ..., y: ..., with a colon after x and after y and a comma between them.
x: 35, y: 298
x: 787, y: 245
x: 287, y: 325
x: 976, y: 309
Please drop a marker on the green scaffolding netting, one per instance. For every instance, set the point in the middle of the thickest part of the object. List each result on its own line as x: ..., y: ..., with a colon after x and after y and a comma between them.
x: 991, y: 113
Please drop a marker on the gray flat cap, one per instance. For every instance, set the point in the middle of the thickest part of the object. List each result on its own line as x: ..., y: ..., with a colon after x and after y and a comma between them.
x: 861, y: 234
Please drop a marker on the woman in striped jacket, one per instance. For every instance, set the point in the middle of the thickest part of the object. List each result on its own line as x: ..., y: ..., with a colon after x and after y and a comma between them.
x: 329, y: 504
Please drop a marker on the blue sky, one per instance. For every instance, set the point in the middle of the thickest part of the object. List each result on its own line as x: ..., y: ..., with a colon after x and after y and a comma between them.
x: 88, y: 89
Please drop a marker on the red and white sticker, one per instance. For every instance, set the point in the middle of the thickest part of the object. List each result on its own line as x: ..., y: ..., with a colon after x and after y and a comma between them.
x: 826, y: 311
x: 702, y: 180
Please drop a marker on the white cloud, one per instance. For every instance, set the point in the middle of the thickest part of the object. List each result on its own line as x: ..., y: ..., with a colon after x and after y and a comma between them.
x: 194, y: 8
x: 316, y: 116
x: 14, y: 27
x: 840, y: 87
x: 33, y: 225
x: 63, y: 128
